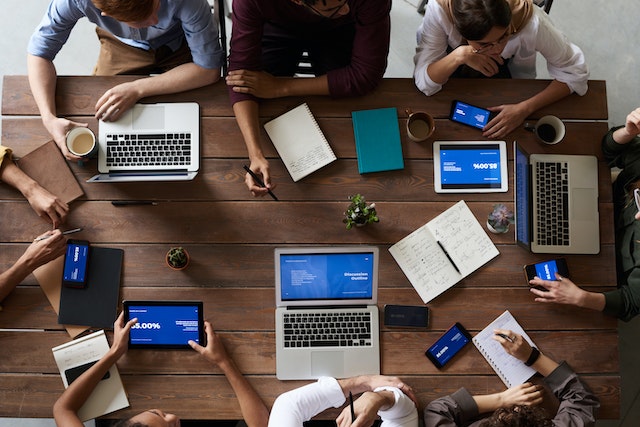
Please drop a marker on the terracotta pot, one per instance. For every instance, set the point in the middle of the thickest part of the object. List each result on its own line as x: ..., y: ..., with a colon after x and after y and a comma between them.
x: 166, y: 259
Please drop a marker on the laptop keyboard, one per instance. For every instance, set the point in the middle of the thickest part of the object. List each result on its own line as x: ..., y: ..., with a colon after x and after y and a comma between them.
x: 552, y: 203
x: 171, y: 149
x: 334, y: 329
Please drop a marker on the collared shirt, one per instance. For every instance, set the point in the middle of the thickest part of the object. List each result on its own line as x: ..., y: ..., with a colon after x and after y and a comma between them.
x: 177, y: 19
x: 294, y: 407
x: 565, y: 61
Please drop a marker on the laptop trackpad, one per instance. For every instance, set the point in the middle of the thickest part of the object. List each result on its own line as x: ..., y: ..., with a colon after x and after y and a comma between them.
x: 582, y: 204
x: 327, y: 363
x: 149, y: 117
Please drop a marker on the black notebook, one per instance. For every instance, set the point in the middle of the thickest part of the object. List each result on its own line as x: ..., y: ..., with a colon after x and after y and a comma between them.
x: 96, y: 305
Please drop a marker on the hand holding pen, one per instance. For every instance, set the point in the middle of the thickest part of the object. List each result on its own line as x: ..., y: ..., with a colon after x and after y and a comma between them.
x: 258, y: 181
x: 45, y: 248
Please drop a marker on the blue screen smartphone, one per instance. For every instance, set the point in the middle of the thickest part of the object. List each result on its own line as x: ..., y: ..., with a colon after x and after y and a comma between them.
x: 76, y: 264
x: 546, y: 270
x: 470, y: 115
x: 448, y: 345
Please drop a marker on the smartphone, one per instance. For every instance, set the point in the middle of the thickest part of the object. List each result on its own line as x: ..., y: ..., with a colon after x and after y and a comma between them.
x: 448, y: 345
x: 416, y: 316
x: 470, y: 115
x: 72, y: 374
x: 76, y: 263
x: 546, y: 270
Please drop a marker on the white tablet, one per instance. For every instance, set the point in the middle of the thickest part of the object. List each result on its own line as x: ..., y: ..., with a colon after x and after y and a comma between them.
x: 470, y: 167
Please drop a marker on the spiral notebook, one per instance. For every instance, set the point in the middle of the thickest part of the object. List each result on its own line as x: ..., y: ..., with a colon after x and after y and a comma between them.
x: 299, y: 141
x: 510, y: 370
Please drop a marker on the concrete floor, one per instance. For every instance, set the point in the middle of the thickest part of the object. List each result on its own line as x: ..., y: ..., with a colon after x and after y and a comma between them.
x: 606, y: 30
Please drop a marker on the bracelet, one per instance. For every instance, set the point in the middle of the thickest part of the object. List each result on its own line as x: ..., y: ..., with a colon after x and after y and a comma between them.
x: 535, y: 353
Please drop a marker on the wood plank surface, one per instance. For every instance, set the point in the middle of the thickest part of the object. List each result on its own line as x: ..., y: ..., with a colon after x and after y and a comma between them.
x: 231, y: 238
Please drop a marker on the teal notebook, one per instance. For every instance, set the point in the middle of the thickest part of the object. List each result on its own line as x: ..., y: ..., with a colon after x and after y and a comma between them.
x: 377, y: 136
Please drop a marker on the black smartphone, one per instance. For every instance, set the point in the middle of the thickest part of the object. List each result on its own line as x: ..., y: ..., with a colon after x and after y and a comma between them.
x: 76, y: 264
x: 470, y: 115
x: 72, y: 374
x: 448, y: 345
x: 416, y: 316
x: 546, y: 270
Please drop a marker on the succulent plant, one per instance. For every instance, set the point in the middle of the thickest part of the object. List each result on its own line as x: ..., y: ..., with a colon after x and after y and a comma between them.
x: 359, y: 213
x: 500, y: 218
x: 177, y: 257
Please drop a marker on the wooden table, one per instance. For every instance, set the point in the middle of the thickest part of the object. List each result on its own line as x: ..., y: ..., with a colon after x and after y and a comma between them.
x: 231, y: 237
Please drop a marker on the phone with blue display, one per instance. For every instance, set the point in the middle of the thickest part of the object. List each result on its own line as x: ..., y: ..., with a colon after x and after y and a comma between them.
x: 448, y: 345
x: 470, y: 115
x: 76, y: 264
x: 546, y: 270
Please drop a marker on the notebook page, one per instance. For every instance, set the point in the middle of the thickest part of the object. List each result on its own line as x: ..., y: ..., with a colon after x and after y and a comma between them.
x: 510, y: 370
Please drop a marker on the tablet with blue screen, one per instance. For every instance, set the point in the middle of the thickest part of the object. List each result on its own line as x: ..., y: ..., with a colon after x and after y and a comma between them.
x: 165, y: 324
x: 470, y: 167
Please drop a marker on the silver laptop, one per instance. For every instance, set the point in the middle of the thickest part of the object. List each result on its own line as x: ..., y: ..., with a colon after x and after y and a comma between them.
x: 150, y: 142
x: 556, y: 202
x: 326, y: 312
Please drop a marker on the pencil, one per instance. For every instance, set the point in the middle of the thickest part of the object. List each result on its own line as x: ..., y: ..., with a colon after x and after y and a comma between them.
x: 259, y: 181
x: 353, y: 412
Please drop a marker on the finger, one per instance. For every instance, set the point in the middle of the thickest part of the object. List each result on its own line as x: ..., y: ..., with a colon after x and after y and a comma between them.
x: 130, y: 323
x: 197, y: 347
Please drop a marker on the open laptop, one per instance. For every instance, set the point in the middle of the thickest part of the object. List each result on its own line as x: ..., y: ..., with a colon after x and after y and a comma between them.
x: 150, y: 142
x: 316, y: 289
x: 537, y: 208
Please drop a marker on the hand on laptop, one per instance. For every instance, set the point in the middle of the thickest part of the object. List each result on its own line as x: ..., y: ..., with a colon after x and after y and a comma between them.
x: 116, y: 101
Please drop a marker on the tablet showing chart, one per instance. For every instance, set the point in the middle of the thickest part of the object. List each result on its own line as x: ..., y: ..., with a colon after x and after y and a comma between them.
x: 470, y: 167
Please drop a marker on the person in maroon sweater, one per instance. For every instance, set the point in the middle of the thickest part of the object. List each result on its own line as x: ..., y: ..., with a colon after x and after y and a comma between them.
x: 348, y: 41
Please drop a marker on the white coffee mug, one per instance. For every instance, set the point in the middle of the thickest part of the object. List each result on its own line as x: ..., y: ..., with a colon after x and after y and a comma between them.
x: 549, y: 129
x: 81, y: 141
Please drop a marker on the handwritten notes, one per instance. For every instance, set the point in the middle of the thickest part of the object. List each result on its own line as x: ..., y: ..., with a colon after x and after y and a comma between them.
x: 425, y: 263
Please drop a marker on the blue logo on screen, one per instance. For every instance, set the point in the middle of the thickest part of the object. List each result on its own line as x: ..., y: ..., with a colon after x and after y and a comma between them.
x: 547, y: 270
x: 448, y: 345
x: 75, y: 263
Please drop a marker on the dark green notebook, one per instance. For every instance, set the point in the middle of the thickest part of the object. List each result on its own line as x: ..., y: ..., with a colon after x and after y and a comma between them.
x: 377, y: 136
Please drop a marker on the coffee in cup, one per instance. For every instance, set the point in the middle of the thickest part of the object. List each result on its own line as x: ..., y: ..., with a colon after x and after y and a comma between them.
x: 81, y: 141
x: 420, y: 125
x: 549, y: 129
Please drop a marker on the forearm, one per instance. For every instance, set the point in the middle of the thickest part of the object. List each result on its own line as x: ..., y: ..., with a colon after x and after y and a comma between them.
x: 592, y: 300
x: 552, y: 93
x: 254, y: 411
x: 179, y: 79
x: 15, y: 177
x: 544, y: 365
x: 441, y: 70
x: 246, y: 113
x: 622, y: 136
x: 294, y: 86
x: 488, y: 402
x: 42, y: 80
x: 13, y: 276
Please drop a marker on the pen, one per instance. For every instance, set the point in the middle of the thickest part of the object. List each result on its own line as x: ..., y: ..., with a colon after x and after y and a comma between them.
x: 259, y: 181
x: 508, y: 338
x: 133, y: 202
x: 448, y: 256
x: 73, y: 230
x: 353, y: 412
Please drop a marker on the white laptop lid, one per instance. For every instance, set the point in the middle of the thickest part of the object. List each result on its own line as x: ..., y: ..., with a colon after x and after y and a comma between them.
x: 326, y: 276
x: 152, y: 119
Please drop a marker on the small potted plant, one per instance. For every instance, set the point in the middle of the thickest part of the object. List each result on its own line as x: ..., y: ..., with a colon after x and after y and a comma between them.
x: 500, y: 218
x: 359, y: 213
x: 177, y: 258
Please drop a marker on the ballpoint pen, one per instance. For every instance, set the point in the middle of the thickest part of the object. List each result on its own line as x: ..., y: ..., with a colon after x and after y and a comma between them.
x: 259, y: 181
x: 353, y: 412
x: 448, y: 256
x: 73, y: 230
x: 133, y: 202
x: 506, y: 337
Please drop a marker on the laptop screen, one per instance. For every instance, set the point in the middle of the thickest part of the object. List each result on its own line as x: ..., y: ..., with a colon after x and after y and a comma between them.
x: 347, y: 275
x: 522, y: 196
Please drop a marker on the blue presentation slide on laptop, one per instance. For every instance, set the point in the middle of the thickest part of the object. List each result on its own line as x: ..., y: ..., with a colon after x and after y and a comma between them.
x: 164, y: 325
x: 326, y: 276
x: 470, y: 165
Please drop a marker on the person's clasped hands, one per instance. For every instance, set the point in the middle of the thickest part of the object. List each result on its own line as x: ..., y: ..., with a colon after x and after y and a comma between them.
x: 257, y: 83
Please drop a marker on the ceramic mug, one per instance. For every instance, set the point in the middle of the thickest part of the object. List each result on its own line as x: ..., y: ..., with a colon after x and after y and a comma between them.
x: 420, y: 125
x: 82, y: 142
x: 549, y: 130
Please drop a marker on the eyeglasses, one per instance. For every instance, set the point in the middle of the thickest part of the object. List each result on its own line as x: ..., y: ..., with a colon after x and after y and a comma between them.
x: 484, y: 47
x: 333, y: 11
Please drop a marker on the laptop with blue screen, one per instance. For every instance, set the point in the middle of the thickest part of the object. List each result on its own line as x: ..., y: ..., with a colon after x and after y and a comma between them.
x: 326, y: 312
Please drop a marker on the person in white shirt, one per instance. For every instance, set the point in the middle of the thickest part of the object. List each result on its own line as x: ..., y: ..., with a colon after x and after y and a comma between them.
x: 462, y: 37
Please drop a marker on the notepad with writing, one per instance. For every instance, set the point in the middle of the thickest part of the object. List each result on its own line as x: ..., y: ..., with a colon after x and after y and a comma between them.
x: 77, y: 356
x: 299, y: 141
x: 377, y: 137
x: 510, y: 370
x: 444, y: 251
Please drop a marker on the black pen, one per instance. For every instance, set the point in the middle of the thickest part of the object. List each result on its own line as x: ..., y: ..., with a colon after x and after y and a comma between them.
x: 353, y: 412
x: 133, y: 202
x: 448, y: 256
x: 504, y: 336
x: 259, y: 181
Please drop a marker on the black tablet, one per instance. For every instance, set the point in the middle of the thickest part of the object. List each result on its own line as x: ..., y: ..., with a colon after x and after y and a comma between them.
x: 165, y: 324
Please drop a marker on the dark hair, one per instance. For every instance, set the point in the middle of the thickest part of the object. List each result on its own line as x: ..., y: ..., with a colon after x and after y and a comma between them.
x: 126, y: 10
x: 128, y: 423
x: 475, y: 18
x: 518, y: 416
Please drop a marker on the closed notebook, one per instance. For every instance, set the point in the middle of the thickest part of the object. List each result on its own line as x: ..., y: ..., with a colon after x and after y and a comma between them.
x: 299, y: 141
x: 377, y: 137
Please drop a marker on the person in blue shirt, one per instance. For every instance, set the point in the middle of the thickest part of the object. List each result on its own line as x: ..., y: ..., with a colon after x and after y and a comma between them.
x: 176, y: 40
